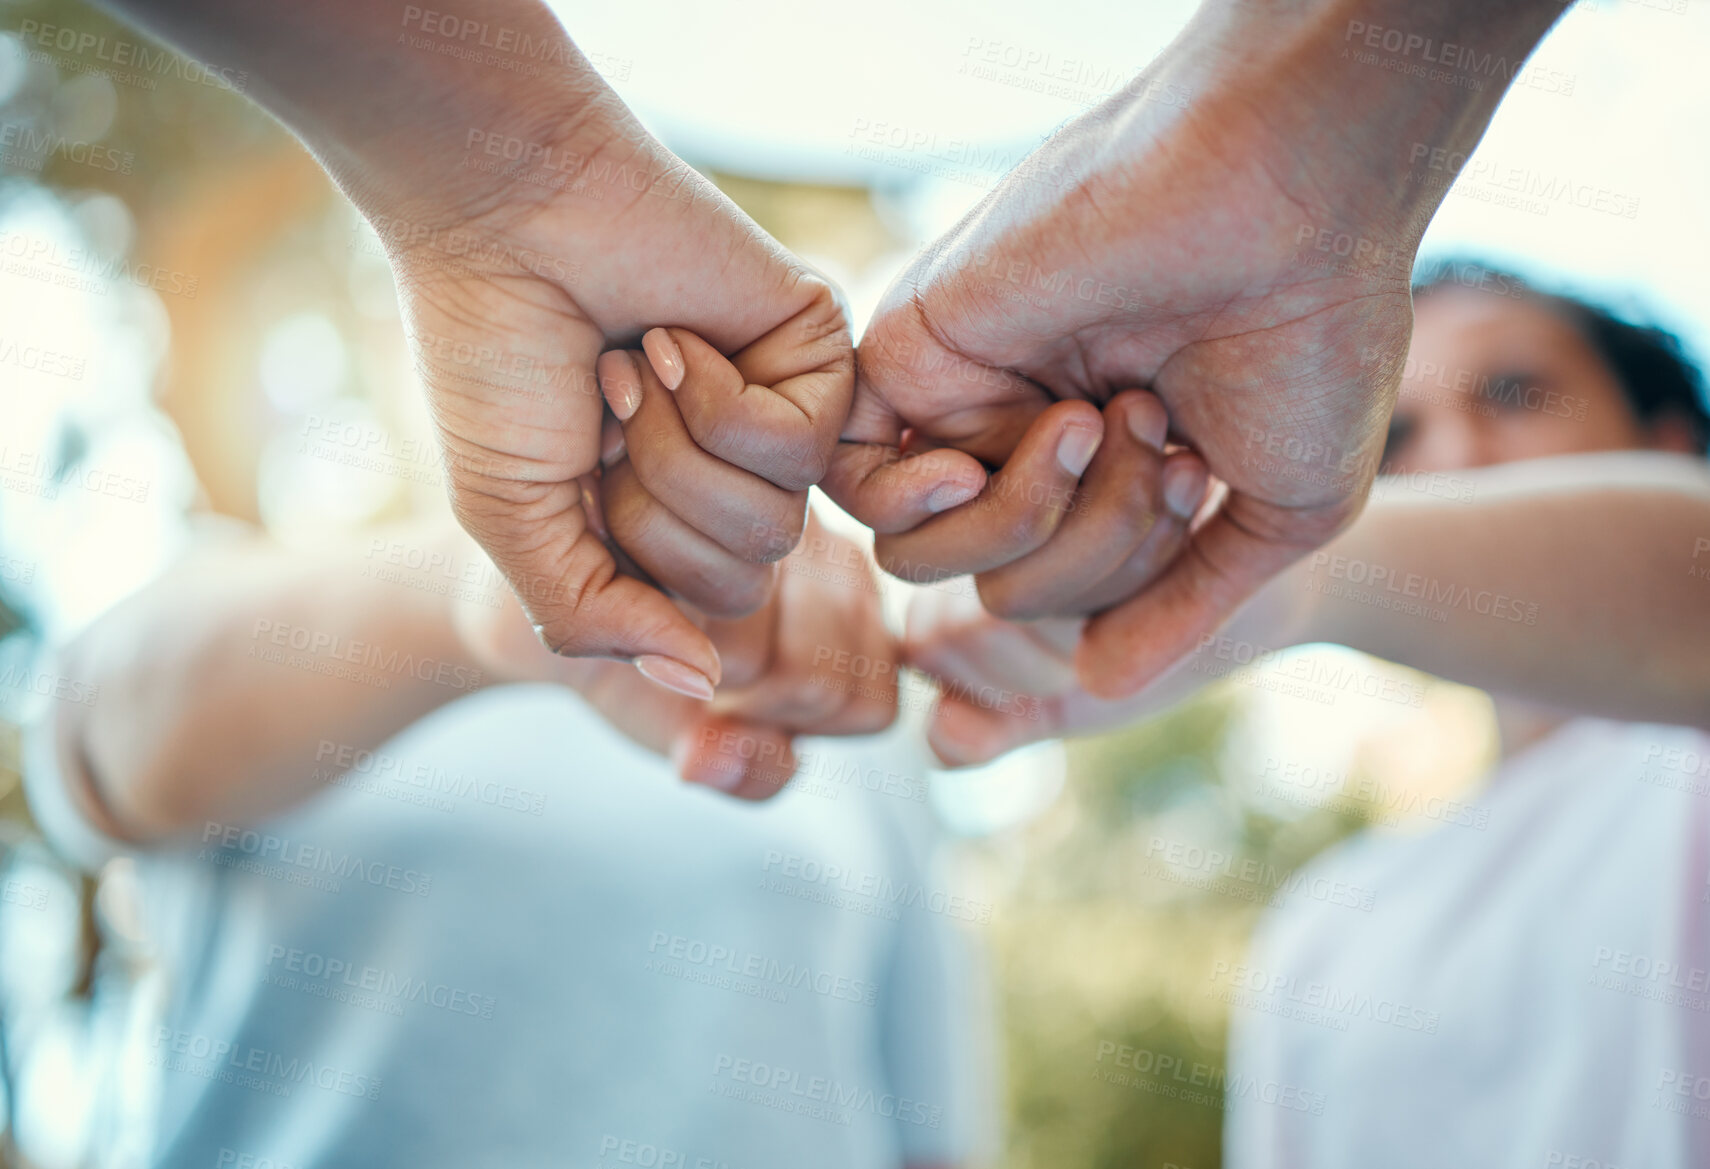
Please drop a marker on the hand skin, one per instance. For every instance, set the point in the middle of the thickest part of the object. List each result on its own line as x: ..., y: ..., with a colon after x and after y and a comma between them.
x: 533, y: 224
x: 1246, y: 258
x: 195, y: 723
x: 1579, y: 583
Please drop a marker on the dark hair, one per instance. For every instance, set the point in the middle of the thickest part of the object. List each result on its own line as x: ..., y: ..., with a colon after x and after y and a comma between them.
x: 1657, y: 378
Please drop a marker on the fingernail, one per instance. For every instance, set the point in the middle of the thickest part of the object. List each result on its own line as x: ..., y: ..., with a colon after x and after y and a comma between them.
x: 665, y: 357
x: 675, y: 676
x: 950, y: 494
x: 611, y: 443
x: 1077, y: 447
x: 717, y: 772
x: 620, y: 384
x: 722, y: 775
x: 1184, y: 487
x: 1148, y: 426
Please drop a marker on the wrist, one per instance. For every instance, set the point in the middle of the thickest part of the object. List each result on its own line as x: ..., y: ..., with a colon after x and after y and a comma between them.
x: 1367, y: 98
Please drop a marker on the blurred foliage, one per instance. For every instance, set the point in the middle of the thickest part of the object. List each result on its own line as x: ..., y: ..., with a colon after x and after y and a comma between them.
x: 1094, y: 947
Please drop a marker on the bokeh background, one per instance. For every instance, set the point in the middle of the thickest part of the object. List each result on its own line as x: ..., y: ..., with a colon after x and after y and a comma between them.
x: 192, y: 321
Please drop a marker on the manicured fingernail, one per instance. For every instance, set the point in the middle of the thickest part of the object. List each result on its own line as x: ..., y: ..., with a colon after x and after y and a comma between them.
x: 666, y: 358
x: 948, y: 495
x: 620, y: 384
x: 675, y: 676
x: 1184, y: 487
x: 611, y: 443
x: 1077, y: 447
x: 1148, y: 426
x: 722, y: 774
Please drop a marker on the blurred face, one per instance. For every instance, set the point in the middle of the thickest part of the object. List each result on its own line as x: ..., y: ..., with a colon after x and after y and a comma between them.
x: 1494, y: 379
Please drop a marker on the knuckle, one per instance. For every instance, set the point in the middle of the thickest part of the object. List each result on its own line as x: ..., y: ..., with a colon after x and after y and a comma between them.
x: 1005, y: 599
x: 736, y: 592
x: 772, y: 539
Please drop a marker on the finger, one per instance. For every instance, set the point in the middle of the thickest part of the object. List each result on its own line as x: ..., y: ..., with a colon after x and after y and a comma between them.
x: 519, y: 423
x: 735, y: 757
x: 1118, y: 507
x: 964, y: 734
x: 834, y: 664
x: 776, y: 407
x: 892, y: 492
x: 983, y: 659
x: 1018, y: 511
x: 1221, y: 566
x: 747, y: 645
x: 1186, y: 482
x: 739, y: 511
x: 675, y: 555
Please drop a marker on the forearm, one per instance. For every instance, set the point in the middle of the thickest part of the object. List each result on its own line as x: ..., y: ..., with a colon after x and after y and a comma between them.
x: 1366, y: 93
x: 1580, y: 582
x: 222, y: 684
x: 387, y: 94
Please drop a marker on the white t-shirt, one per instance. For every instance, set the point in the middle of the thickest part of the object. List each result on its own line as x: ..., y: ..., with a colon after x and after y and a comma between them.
x: 1533, y: 992
x: 511, y: 938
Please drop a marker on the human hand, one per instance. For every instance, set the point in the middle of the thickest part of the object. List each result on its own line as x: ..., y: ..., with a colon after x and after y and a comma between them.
x: 1195, y: 248
x: 785, y: 672
x: 512, y: 290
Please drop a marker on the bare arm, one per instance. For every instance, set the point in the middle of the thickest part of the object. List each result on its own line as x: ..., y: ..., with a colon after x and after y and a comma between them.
x: 220, y: 681
x: 1580, y: 582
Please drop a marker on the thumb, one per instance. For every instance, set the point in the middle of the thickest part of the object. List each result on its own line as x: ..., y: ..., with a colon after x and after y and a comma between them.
x: 508, y: 367
x: 1223, y: 565
x: 570, y: 589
